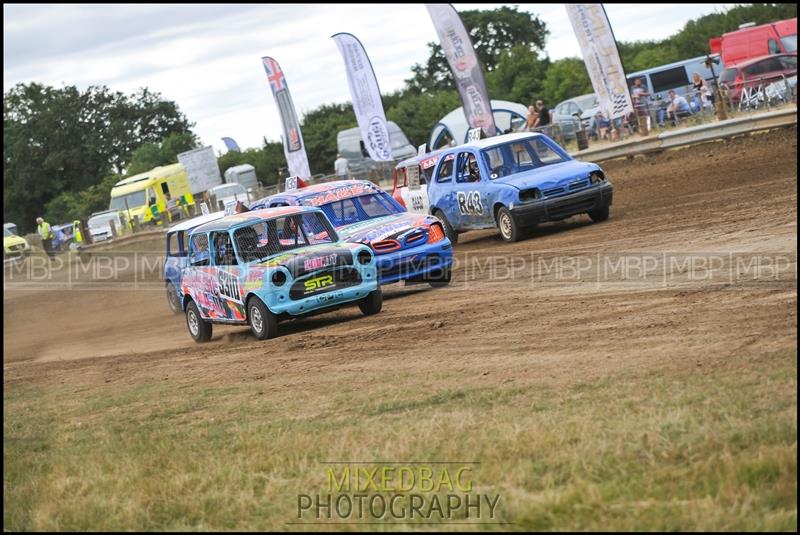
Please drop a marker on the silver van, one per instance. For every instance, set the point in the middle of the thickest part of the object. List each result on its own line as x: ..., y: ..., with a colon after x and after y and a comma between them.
x: 351, y: 146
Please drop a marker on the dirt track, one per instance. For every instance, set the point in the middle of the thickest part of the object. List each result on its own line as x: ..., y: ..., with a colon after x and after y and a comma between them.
x: 737, y: 196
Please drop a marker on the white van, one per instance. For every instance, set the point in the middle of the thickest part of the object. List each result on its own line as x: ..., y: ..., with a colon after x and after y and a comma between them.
x: 100, y: 224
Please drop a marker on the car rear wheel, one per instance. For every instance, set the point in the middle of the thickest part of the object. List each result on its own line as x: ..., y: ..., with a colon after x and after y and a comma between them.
x: 601, y: 214
x: 509, y: 230
x: 451, y: 234
x: 173, y: 299
x: 372, y: 303
x: 199, y: 329
x: 263, y: 322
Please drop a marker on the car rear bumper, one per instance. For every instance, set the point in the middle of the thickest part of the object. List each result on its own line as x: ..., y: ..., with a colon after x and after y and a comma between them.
x: 562, y: 207
x: 415, y: 262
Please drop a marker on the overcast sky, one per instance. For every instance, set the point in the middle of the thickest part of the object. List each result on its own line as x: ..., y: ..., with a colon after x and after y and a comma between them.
x: 206, y: 57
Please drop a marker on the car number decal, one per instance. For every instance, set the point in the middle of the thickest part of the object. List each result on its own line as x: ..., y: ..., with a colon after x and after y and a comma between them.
x: 469, y: 202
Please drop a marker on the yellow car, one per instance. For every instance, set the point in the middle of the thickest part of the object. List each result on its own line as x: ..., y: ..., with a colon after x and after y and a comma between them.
x: 14, y: 247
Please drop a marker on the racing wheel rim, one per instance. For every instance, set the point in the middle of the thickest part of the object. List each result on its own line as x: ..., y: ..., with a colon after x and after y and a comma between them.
x: 194, y: 325
x: 255, y: 319
x: 505, y: 225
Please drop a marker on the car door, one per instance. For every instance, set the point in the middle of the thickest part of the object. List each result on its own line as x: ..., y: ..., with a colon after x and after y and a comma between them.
x: 440, y: 191
x: 472, y: 197
x: 228, y: 275
x: 199, y: 281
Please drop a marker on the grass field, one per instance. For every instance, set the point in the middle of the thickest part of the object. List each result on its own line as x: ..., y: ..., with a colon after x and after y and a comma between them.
x: 638, y: 451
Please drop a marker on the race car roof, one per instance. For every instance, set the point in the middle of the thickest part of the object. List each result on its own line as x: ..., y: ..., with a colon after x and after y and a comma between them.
x: 196, y: 221
x: 253, y: 216
x: 323, y: 190
x: 498, y: 140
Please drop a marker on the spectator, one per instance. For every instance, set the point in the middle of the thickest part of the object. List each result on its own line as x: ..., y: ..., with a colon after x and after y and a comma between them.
x: 678, y: 107
x: 702, y: 91
x: 602, y: 125
x: 341, y: 167
x: 639, y: 95
x: 531, y: 118
x: 544, y: 116
x: 46, y: 234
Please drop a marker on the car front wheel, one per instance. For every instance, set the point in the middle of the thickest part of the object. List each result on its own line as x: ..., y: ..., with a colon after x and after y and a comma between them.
x: 199, y: 329
x: 509, y: 230
x: 372, y: 303
x: 263, y: 322
x: 601, y: 214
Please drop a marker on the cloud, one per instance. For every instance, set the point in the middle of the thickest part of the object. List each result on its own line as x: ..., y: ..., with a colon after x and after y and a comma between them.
x: 206, y: 57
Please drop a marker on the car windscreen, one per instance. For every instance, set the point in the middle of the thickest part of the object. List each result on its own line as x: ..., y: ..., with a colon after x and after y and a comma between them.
x: 259, y: 241
x: 7, y: 233
x: 131, y: 200
x: 229, y: 191
x: 790, y: 43
x: 355, y: 209
x: 586, y: 103
x: 519, y: 156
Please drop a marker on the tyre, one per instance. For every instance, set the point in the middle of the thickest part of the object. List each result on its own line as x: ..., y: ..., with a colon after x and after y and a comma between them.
x: 372, y: 303
x: 173, y: 299
x: 509, y: 230
x: 199, y: 328
x: 263, y: 322
x: 601, y: 214
x: 451, y: 234
x: 441, y: 278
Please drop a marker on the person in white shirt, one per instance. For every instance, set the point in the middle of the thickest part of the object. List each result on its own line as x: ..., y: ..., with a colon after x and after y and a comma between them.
x: 340, y: 167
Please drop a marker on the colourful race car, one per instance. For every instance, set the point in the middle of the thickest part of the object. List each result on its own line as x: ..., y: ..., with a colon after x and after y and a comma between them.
x: 260, y: 267
x: 410, y: 247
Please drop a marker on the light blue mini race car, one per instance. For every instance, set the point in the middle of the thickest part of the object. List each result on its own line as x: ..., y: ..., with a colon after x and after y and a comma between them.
x: 513, y: 182
x: 260, y: 267
x: 411, y: 247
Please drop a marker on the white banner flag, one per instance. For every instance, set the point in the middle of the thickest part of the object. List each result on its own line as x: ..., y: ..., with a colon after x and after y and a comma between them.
x: 367, y: 103
x: 601, y: 57
x: 464, y: 64
x: 293, y: 146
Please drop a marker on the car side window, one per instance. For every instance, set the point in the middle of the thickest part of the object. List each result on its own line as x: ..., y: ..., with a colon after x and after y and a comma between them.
x: 445, y: 171
x: 788, y: 62
x: 772, y: 46
x: 223, y: 250
x: 199, y: 255
x: 176, y: 243
x: 467, y: 168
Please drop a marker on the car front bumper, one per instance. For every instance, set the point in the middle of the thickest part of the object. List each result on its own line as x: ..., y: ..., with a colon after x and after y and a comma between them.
x: 558, y: 208
x: 416, y: 262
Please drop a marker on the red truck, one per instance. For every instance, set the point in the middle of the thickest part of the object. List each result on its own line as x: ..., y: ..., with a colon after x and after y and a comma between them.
x: 751, y: 41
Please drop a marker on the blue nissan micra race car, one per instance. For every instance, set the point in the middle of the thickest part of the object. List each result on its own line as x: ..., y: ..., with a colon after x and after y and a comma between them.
x: 407, y: 246
x: 263, y: 266
x: 513, y: 182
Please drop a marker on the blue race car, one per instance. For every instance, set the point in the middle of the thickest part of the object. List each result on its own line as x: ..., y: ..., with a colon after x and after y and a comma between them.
x: 513, y: 182
x: 410, y: 247
x: 260, y: 267
x: 177, y: 258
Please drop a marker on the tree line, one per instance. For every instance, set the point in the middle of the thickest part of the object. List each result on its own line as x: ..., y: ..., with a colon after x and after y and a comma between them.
x: 64, y: 148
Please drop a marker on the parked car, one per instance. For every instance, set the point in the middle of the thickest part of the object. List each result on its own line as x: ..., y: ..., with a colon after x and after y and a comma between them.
x: 100, y: 224
x: 513, y: 182
x: 14, y: 247
x: 411, y: 247
x: 177, y: 255
x: 350, y: 145
x: 755, y: 72
x: 585, y: 106
x: 260, y: 267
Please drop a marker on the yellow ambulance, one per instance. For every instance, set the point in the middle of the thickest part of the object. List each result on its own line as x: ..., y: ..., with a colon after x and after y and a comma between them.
x: 159, y: 195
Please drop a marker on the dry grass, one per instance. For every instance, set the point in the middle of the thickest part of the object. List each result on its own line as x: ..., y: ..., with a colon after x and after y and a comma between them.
x: 642, y: 450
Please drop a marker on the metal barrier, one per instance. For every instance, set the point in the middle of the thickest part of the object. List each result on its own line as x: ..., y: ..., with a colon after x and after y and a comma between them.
x: 691, y: 135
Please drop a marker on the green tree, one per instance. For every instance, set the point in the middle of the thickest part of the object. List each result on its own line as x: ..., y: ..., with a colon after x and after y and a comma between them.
x: 69, y: 206
x: 566, y: 78
x: 492, y: 32
x: 152, y: 155
x: 320, y: 127
x: 519, y: 75
x: 416, y: 114
x: 267, y: 161
x: 63, y: 140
